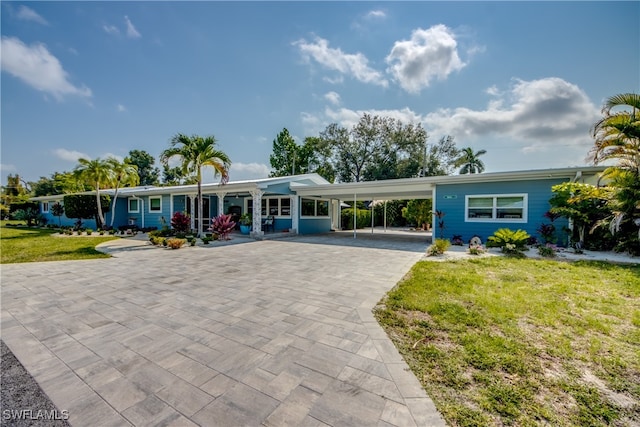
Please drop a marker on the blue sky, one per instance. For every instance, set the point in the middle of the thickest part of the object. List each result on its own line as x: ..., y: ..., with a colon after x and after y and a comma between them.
x: 522, y: 80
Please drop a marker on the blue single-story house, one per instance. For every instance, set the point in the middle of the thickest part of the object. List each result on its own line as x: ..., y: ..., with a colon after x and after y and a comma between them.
x: 476, y: 204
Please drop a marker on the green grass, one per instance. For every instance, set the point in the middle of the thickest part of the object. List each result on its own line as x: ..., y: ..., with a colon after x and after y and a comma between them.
x: 503, y: 341
x: 19, y: 244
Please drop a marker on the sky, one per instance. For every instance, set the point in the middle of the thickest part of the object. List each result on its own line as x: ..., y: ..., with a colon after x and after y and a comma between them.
x: 522, y: 80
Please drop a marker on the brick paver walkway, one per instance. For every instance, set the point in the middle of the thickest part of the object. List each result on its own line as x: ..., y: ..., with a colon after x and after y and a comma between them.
x: 267, y: 333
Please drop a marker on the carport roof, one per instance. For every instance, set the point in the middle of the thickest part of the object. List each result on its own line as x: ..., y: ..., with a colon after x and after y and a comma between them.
x: 422, y: 188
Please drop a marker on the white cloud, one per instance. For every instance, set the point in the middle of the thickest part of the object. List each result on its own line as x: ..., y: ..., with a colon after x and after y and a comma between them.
x: 375, y: 14
x: 541, y: 113
x: 38, y: 68
x: 111, y: 29
x: 121, y: 108
x: 132, y: 33
x: 431, y: 53
x: 28, y: 14
x: 115, y: 156
x: 332, y: 97
x: 69, y: 155
x: 240, y: 171
x: 355, y: 65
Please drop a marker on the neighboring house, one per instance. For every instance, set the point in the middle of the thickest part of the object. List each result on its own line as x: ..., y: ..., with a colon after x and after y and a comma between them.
x: 475, y: 204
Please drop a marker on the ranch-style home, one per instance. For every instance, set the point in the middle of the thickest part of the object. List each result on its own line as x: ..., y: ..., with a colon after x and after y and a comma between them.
x: 476, y: 204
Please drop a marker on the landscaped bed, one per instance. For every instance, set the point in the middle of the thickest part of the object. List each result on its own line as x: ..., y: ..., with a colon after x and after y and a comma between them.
x: 504, y: 341
x: 23, y: 244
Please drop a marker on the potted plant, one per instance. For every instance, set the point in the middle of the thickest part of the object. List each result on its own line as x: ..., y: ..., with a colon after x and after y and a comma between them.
x: 245, y: 223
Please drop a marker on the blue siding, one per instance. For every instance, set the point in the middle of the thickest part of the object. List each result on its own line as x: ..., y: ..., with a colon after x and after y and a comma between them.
x: 314, y: 225
x: 450, y: 198
x: 179, y: 205
x: 278, y: 189
x: 282, y: 224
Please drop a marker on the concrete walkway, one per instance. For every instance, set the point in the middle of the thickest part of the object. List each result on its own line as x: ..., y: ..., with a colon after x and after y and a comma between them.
x: 269, y: 333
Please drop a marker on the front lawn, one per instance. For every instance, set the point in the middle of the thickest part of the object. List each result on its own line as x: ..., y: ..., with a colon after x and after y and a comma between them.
x: 502, y: 341
x: 21, y: 244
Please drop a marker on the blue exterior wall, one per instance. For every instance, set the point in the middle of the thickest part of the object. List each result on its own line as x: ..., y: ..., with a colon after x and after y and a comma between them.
x: 450, y: 198
x: 282, y: 224
x: 311, y: 225
x: 278, y: 189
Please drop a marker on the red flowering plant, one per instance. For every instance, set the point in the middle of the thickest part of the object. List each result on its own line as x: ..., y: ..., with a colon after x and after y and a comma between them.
x: 223, y: 226
x: 181, y: 223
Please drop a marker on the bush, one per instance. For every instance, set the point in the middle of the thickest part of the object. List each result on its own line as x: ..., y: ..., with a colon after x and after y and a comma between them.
x: 438, y: 247
x: 223, y: 225
x: 175, y: 243
x: 548, y: 251
x: 89, y: 231
x: 363, y: 218
x: 181, y: 222
x: 476, y: 249
x: 504, y: 236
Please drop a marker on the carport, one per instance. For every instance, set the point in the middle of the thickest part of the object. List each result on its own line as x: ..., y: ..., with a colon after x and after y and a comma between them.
x: 392, y: 189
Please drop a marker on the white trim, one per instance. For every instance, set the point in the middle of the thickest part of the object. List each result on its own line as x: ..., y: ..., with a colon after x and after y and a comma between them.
x: 265, y: 202
x: 43, y: 208
x: 155, y: 198
x: 129, y: 204
x: 494, y: 207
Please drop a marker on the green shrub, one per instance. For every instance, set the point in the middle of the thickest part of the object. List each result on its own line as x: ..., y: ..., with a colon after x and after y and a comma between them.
x: 89, y: 231
x: 363, y: 218
x: 438, y: 247
x: 548, y: 250
x: 505, y: 236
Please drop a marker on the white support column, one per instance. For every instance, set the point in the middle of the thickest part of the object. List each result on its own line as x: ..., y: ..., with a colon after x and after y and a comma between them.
x: 193, y: 211
x: 257, y: 232
x: 221, y: 195
x: 295, y: 218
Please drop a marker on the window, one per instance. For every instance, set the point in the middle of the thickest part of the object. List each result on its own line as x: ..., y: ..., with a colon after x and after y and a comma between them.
x: 501, y: 207
x: 134, y: 206
x: 312, y: 207
x: 45, y: 207
x: 155, y: 204
x: 274, y: 206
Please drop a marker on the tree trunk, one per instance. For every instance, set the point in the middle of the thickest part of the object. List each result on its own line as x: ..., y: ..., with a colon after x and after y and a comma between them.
x: 199, y: 217
x: 113, y: 207
x: 100, y: 218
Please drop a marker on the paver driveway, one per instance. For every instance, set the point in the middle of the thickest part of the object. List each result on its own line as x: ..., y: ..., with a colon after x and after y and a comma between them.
x: 276, y: 332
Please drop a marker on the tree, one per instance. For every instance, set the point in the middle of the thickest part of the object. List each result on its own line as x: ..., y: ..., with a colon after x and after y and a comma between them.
x: 440, y: 158
x: 148, y: 173
x: 97, y: 173
x: 123, y: 174
x: 14, y: 194
x: 617, y: 134
x: 194, y: 153
x: 374, y: 148
x: 469, y: 161
x: 284, y: 156
x: 83, y: 206
x: 57, y: 210
x: 59, y: 183
x: 617, y: 138
x: 583, y: 204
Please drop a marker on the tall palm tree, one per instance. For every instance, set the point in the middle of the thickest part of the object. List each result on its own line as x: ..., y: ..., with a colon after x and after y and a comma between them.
x: 123, y: 174
x: 469, y: 161
x: 194, y: 153
x: 617, y: 134
x: 617, y: 137
x: 96, y: 173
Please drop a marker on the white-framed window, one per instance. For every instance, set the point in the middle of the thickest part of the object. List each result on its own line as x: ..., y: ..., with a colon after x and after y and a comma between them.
x: 272, y: 206
x: 155, y: 204
x: 496, y: 208
x: 134, y: 205
x: 314, y: 208
x: 45, y: 207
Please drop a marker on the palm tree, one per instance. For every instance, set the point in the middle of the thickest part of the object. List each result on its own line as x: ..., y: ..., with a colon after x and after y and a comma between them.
x: 194, y: 153
x: 123, y: 174
x: 617, y: 137
x: 96, y: 173
x: 469, y: 161
x: 617, y: 134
